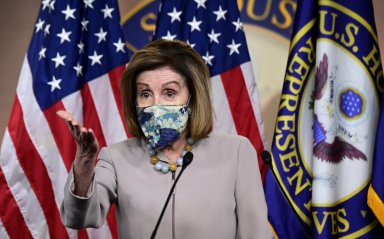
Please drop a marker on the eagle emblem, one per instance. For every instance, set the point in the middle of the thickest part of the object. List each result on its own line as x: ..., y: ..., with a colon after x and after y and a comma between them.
x: 350, y: 105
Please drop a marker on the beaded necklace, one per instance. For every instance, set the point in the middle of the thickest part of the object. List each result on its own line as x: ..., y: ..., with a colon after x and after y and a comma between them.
x: 163, y: 166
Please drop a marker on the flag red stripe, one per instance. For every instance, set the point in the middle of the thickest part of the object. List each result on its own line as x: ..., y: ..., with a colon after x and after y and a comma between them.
x: 115, y: 78
x: 82, y: 234
x: 241, y: 107
x: 242, y: 111
x: 111, y: 218
x: 35, y: 171
x: 91, y: 120
x: 64, y: 140
x: 10, y: 213
x: 90, y: 116
x: 61, y: 134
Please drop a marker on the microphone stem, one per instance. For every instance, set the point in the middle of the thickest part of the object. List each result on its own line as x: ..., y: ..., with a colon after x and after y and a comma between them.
x: 166, y: 203
x: 173, y: 208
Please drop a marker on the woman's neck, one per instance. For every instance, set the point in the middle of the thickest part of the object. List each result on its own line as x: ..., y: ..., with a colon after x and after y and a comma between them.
x: 174, y: 150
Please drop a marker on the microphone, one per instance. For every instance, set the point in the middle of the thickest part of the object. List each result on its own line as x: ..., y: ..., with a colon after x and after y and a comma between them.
x: 267, y: 159
x: 187, y: 160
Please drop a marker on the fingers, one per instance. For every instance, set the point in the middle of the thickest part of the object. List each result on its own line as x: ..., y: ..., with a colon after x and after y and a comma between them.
x: 76, y: 129
x: 65, y: 115
x: 90, y: 139
x: 85, y: 138
x: 88, y: 142
x: 82, y: 135
x: 74, y: 126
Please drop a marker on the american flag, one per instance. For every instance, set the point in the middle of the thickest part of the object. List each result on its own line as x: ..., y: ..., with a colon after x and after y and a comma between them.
x: 214, y: 29
x: 74, y: 62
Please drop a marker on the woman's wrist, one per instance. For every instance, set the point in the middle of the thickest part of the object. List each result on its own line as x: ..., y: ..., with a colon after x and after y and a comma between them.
x: 83, y: 173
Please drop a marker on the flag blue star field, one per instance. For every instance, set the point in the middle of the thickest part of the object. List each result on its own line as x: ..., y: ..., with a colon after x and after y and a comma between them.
x: 325, y: 129
x: 74, y: 62
x: 213, y: 28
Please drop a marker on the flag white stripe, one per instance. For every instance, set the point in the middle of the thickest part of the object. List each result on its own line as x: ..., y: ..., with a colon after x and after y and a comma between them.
x: 3, y: 232
x: 223, y: 120
x: 100, y: 233
x: 73, y: 103
x: 40, y: 133
x: 21, y: 190
x: 106, y: 107
x: 249, y: 79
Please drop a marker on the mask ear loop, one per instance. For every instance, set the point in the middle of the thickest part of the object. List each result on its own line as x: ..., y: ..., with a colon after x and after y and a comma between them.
x: 189, y: 108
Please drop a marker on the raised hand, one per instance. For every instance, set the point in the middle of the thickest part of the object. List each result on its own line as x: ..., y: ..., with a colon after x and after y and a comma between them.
x: 86, y: 141
x: 87, y: 147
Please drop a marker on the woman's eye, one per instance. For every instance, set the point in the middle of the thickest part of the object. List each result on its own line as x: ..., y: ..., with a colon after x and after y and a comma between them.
x: 144, y: 94
x: 170, y: 93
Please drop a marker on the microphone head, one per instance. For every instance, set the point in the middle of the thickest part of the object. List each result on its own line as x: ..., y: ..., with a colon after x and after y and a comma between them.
x: 267, y: 158
x: 187, y: 159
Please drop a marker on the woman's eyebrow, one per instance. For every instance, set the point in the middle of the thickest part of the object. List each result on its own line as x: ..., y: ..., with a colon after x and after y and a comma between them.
x: 141, y: 83
x: 169, y: 83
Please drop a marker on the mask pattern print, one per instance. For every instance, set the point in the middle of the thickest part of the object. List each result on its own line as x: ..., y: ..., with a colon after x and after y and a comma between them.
x: 162, y: 124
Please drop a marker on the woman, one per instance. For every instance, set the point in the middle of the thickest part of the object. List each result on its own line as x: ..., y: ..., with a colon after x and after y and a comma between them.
x: 167, y: 107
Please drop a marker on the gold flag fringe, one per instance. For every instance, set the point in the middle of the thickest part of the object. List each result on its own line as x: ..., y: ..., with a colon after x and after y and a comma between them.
x: 375, y: 203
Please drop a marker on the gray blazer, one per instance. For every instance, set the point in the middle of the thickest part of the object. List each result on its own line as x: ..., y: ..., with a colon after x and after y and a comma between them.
x: 220, y: 195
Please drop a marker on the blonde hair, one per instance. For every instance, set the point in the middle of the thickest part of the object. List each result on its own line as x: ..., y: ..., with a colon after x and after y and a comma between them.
x: 183, y: 59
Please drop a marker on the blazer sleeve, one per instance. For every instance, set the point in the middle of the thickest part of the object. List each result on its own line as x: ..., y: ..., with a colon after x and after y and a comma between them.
x: 81, y: 212
x: 251, y: 208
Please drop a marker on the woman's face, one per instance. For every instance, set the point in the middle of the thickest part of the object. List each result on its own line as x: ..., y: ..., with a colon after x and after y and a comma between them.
x: 162, y: 86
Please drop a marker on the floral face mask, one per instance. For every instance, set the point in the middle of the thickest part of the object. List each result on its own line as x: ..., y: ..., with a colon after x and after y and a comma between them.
x: 163, y: 124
